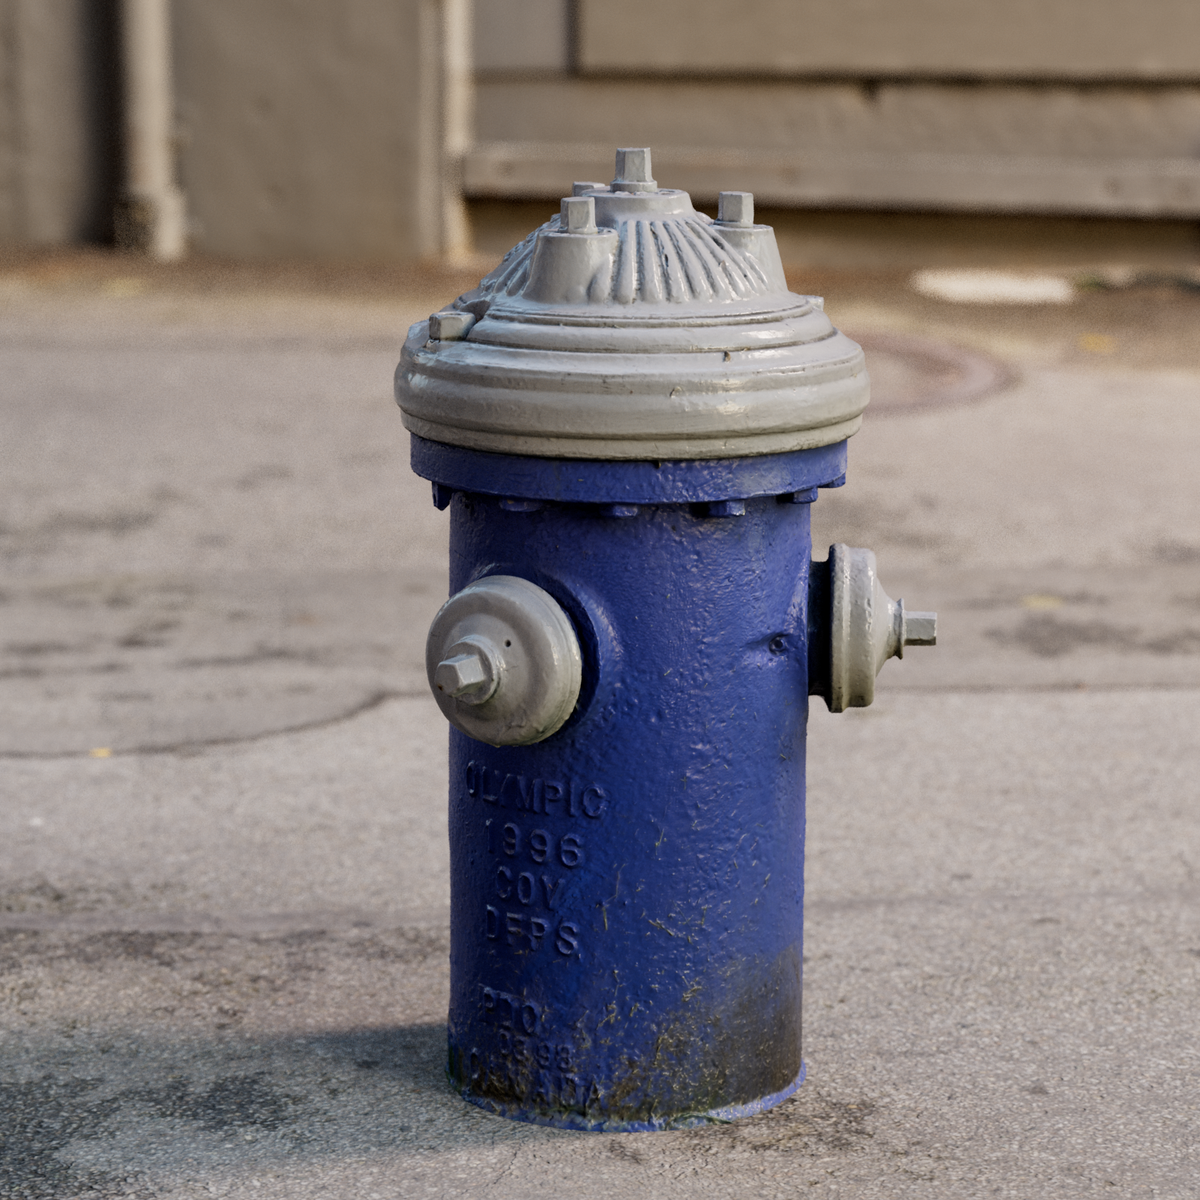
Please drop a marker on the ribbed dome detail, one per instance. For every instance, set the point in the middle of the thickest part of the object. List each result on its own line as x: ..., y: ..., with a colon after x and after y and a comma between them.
x: 671, y: 260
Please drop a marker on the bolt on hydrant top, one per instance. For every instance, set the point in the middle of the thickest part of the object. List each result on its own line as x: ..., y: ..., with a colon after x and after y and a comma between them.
x: 632, y: 326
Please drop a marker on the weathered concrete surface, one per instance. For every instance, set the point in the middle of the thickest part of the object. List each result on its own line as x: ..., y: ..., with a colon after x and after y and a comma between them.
x: 223, y: 945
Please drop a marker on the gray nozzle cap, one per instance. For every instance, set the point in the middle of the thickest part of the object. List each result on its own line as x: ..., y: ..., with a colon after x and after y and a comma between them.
x: 866, y: 628
x: 503, y: 662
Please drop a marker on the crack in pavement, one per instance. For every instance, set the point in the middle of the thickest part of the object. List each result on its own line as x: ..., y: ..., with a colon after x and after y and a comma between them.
x: 184, y: 747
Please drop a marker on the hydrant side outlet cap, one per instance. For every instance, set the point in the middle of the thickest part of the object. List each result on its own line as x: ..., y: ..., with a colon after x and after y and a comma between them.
x: 866, y: 628
x: 504, y: 662
x: 633, y: 327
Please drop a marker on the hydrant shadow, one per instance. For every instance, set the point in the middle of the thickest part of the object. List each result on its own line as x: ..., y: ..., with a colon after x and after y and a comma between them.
x: 144, y: 1109
x: 134, y: 1107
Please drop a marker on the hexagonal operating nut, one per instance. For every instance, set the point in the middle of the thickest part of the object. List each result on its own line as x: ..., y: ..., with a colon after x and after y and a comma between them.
x: 470, y: 671
x: 503, y: 662
x: 633, y: 171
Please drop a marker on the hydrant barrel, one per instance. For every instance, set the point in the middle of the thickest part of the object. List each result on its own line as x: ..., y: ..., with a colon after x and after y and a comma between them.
x: 629, y: 421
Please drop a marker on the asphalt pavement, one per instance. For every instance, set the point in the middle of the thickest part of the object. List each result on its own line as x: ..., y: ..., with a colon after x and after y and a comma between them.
x: 223, y: 861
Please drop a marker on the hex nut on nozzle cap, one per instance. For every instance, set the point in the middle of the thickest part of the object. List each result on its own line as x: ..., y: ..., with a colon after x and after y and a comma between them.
x: 920, y: 628
x: 470, y: 671
x: 503, y: 662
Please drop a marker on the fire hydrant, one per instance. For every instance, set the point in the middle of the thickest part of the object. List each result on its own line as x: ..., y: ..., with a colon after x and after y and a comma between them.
x: 628, y: 420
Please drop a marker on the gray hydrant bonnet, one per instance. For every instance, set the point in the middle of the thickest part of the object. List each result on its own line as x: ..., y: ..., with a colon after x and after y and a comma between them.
x: 632, y: 326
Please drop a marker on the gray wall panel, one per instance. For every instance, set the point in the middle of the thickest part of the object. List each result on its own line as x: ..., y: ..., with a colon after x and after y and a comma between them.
x: 59, y: 151
x: 1023, y: 39
x: 310, y: 128
x: 522, y: 35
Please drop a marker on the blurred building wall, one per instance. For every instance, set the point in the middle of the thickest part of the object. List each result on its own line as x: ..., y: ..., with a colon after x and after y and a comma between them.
x: 313, y: 128
x: 1026, y: 106
x: 58, y: 121
x: 342, y: 128
x: 328, y: 128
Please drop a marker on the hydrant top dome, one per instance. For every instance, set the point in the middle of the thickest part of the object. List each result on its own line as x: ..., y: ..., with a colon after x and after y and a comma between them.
x: 632, y: 326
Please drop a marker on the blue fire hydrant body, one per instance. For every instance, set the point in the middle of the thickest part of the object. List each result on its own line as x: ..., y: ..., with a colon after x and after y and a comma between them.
x: 627, y: 888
